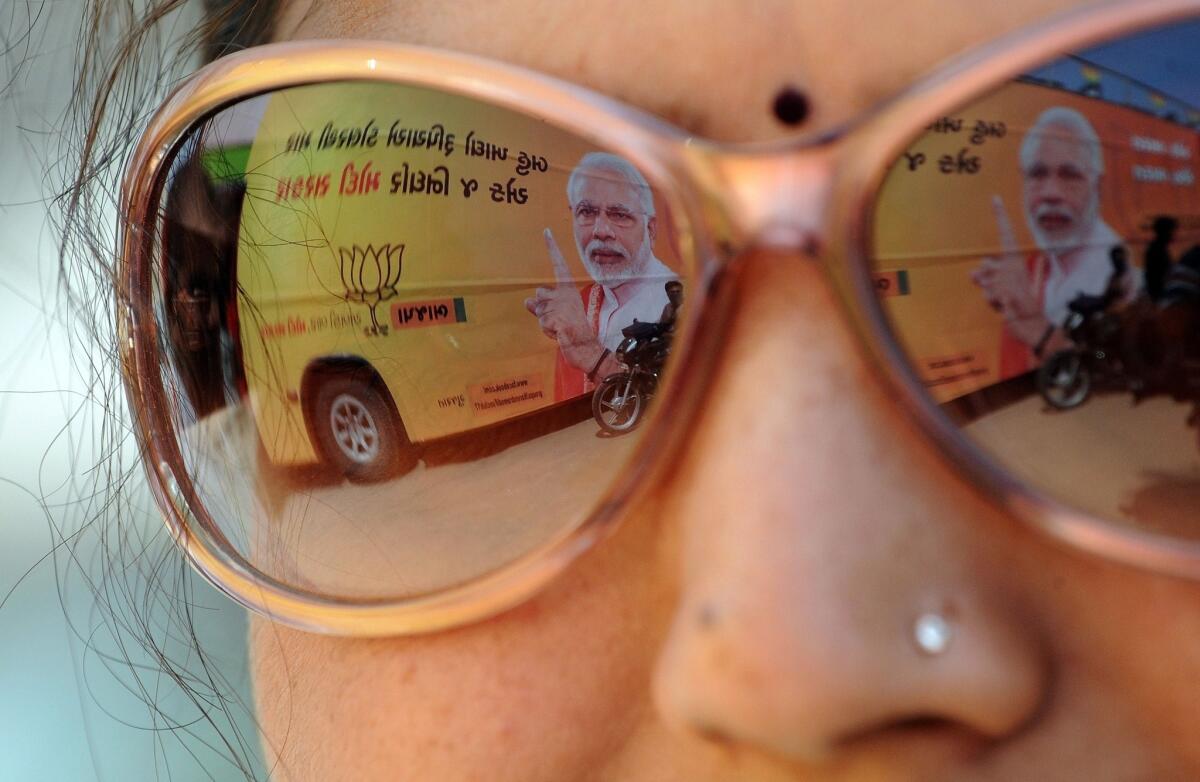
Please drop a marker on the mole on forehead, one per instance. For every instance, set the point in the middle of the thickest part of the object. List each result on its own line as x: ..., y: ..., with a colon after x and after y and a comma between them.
x: 717, y: 67
x: 684, y: 90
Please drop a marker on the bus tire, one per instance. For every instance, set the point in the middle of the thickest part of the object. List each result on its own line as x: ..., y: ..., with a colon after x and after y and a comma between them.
x: 357, y: 430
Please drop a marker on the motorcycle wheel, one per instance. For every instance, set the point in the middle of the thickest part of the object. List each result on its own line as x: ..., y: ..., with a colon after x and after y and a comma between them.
x: 1064, y: 380
x: 617, y: 403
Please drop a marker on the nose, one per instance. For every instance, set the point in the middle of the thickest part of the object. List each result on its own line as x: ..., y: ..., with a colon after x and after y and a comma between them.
x: 817, y: 529
x: 602, y: 229
x: 1050, y: 190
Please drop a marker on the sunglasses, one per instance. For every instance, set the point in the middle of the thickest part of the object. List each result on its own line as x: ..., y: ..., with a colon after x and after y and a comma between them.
x: 405, y: 332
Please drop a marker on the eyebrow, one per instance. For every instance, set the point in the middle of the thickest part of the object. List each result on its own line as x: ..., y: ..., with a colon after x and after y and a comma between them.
x: 1044, y: 168
x: 594, y: 205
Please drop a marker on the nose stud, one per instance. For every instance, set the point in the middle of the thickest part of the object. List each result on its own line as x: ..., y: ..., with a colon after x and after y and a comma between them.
x: 932, y: 634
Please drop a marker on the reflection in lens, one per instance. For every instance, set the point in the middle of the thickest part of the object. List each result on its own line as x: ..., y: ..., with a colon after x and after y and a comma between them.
x: 409, y: 337
x: 1037, y: 254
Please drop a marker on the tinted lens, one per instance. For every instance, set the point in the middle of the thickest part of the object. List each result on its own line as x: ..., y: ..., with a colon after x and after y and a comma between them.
x: 395, y: 358
x: 1038, y: 255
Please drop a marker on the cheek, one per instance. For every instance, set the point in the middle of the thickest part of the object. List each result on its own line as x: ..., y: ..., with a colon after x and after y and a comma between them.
x: 634, y: 239
x: 1080, y: 196
x: 549, y: 691
x: 1030, y: 193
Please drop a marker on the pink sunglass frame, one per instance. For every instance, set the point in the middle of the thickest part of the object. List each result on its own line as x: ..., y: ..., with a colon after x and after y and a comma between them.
x: 808, y: 197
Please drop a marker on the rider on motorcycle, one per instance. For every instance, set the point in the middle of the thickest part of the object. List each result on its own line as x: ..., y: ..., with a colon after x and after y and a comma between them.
x: 620, y: 398
x: 1117, y: 288
x: 666, y: 321
x: 1101, y: 341
x: 1101, y: 324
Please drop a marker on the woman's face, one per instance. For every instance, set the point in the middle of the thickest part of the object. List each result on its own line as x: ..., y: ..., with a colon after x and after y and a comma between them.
x: 752, y: 619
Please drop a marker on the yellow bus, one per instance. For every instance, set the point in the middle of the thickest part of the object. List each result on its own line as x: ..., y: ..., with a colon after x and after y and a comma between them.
x: 389, y: 242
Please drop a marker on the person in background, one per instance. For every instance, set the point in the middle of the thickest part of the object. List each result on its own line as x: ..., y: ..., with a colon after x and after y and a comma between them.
x: 1158, y: 256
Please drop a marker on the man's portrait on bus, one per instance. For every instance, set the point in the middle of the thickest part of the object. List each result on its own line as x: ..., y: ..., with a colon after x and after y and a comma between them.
x: 615, y: 225
x: 1062, y: 168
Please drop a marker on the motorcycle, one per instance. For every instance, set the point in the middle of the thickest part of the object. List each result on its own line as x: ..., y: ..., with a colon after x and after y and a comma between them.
x: 1160, y: 354
x: 1066, y: 379
x: 620, y: 399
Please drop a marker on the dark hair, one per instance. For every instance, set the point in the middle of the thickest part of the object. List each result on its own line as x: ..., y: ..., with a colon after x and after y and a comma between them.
x: 145, y: 628
x: 1165, y: 226
x: 234, y: 25
x: 1120, y: 258
x: 126, y: 64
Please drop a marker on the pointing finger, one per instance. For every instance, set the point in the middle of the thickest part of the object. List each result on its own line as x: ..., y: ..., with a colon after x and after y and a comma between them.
x: 1008, y: 236
x: 561, y: 273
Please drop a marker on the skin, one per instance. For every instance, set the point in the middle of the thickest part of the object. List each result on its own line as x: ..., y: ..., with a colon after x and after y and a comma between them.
x: 1059, y: 189
x: 618, y: 247
x: 751, y: 618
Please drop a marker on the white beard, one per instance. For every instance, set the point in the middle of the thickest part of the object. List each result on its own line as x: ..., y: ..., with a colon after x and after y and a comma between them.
x: 1061, y: 243
x: 612, y: 274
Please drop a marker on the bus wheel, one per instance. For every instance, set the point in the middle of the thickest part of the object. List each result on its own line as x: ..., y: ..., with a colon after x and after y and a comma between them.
x: 358, y: 432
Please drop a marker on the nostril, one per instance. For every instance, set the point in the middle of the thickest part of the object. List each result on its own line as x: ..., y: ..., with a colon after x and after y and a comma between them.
x: 926, y: 723
x: 913, y: 727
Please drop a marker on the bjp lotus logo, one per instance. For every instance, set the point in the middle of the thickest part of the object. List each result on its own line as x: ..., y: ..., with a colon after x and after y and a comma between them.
x: 371, y: 275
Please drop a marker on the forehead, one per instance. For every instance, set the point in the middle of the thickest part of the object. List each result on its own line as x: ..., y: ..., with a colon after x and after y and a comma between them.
x: 1060, y: 146
x: 699, y: 64
x: 604, y: 188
